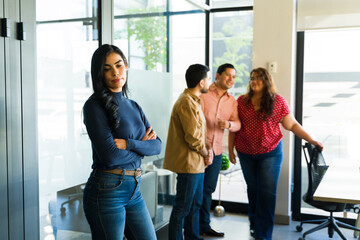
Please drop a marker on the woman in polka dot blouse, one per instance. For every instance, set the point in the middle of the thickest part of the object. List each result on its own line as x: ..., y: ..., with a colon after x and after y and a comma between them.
x: 259, y: 147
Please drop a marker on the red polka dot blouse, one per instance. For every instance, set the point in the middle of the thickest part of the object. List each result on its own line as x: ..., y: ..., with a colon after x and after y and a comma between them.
x: 257, y: 135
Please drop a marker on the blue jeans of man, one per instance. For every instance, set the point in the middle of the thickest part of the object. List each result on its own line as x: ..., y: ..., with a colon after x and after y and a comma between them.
x: 210, y: 181
x: 114, y: 202
x: 261, y: 173
x: 185, y: 212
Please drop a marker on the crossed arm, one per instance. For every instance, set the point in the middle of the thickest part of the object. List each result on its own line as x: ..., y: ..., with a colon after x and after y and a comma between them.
x: 149, y: 135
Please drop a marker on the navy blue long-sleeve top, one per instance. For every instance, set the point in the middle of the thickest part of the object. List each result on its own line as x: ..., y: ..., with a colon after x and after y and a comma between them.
x: 132, y: 128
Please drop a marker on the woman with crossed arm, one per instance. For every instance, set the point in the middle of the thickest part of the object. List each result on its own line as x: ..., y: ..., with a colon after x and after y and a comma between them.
x: 120, y: 137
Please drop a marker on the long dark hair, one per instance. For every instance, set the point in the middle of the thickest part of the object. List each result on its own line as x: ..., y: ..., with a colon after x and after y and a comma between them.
x: 269, y: 92
x: 101, y: 91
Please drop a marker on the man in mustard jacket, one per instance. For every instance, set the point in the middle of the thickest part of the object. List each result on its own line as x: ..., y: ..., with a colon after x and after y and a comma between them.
x: 187, y: 155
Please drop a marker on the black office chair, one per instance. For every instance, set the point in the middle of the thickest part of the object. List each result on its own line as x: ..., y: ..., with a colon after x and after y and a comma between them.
x: 317, y: 167
x: 73, y: 197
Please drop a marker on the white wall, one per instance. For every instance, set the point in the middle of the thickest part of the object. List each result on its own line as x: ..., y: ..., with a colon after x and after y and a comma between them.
x: 274, y: 40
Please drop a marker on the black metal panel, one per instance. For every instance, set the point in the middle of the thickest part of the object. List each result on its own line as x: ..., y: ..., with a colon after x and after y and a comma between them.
x: 232, y: 9
x: 207, y: 38
x: 296, y: 195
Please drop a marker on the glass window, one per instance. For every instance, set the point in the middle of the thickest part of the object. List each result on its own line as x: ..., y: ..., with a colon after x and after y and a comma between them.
x: 183, y: 5
x: 143, y: 43
x: 65, y: 9
x: 187, y: 41
x: 331, y: 95
x: 232, y: 43
x: 234, y: 2
x: 64, y: 51
x: 142, y: 6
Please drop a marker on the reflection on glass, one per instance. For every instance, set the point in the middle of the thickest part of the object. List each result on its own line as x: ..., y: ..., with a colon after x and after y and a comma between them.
x: 63, y: 78
x: 331, y: 96
x: 232, y: 43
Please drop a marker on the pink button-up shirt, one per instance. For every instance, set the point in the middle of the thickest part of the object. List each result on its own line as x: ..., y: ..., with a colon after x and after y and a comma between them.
x: 224, y: 107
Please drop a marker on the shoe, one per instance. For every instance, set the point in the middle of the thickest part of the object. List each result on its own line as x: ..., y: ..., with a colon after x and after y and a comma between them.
x: 213, y: 233
x: 252, y: 233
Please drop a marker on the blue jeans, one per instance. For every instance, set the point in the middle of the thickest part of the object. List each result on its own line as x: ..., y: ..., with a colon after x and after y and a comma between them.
x: 185, y: 212
x: 110, y: 200
x: 261, y: 173
x: 210, y: 180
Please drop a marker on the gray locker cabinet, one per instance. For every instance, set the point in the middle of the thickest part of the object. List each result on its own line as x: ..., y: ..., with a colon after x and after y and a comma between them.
x: 19, y: 194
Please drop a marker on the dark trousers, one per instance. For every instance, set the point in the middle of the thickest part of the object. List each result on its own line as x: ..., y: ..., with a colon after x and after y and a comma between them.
x: 210, y: 181
x: 261, y: 173
x: 185, y: 212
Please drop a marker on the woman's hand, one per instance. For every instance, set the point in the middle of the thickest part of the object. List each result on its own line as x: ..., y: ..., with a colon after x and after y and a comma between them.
x: 120, y: 143
x: 149, y: 135
x: 289, y: 123
x: 318, y: 144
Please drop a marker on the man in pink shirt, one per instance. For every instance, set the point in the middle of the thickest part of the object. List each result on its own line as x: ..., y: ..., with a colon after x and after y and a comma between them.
x: 220, y: 110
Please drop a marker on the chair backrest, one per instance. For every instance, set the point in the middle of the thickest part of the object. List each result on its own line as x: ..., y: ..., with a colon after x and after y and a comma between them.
x: 316, y: 167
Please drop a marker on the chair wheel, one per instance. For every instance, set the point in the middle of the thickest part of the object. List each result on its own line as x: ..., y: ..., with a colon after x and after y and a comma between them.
x: 299, y: 228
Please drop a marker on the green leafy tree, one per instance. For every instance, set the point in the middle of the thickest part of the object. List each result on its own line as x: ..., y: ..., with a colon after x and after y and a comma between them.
x: 237, y: 38
x: 150, y: 34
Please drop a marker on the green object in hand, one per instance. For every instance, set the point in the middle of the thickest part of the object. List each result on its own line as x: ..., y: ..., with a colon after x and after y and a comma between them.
x: 225, y: 162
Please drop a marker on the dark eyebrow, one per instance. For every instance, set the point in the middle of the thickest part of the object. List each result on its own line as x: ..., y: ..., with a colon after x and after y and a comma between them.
x: 108, y: 65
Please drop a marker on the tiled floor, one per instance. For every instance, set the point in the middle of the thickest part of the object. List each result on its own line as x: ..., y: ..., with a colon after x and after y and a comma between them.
x: 236, y: 227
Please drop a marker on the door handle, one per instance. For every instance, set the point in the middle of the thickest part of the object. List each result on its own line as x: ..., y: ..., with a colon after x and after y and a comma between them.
x: 5, y: 27
x: 21, y: 31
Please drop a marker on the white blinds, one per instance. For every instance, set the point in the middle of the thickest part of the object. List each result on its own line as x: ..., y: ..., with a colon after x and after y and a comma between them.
x: 325, y: 14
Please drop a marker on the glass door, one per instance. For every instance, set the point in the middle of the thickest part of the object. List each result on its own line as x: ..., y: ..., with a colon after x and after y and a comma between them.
x: 331, y: 94
x: 232, y: 43
x: 67, y: 35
